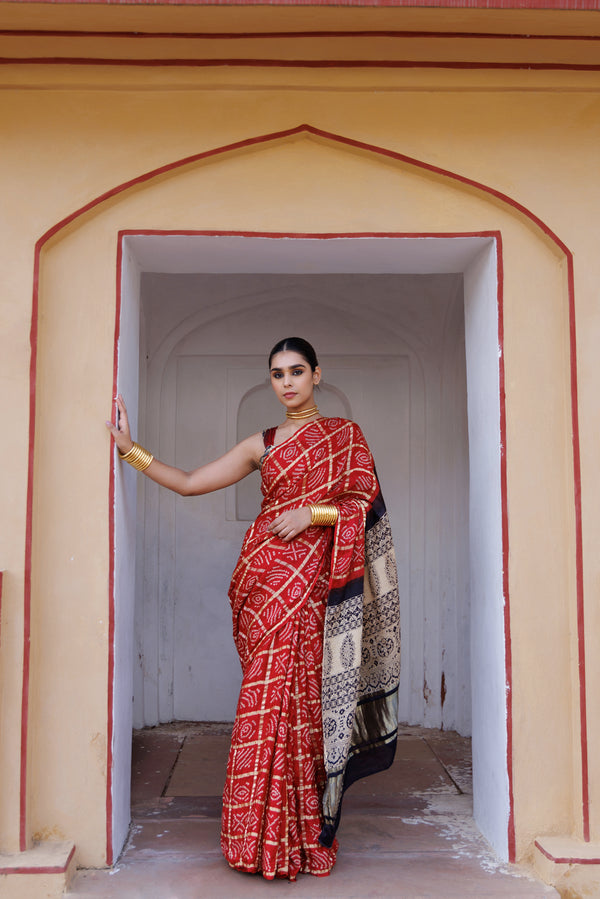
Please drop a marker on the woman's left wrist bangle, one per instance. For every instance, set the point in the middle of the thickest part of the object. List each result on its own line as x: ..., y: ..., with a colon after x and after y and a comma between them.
x: 138, y: 457
x: 323, y: 515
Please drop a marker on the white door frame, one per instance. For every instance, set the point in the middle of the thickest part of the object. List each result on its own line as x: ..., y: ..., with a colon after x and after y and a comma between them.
x: 477, y: 256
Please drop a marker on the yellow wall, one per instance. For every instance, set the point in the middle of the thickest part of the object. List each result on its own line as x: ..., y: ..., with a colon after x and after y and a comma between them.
x: 72, y: 133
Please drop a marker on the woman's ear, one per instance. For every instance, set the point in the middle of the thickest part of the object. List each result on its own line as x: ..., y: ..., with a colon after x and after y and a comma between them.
x: 316, y: 375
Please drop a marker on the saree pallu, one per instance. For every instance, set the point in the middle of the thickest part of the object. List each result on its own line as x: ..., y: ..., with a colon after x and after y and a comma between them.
x: 316, y: 626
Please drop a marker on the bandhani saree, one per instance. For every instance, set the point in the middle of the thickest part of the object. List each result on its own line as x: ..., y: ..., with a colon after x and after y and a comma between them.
x: 317, y: 627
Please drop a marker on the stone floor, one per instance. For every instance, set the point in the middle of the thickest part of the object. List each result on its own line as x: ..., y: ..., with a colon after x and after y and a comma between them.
x: 407, y: 832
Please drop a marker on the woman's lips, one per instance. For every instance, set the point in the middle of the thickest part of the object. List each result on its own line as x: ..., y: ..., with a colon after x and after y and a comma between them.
x: 289, y: 396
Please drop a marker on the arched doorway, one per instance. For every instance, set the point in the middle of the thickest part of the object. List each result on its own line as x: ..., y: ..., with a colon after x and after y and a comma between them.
x: 88, y: 767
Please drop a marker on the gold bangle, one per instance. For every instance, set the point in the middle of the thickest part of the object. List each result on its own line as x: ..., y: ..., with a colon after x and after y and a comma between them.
x: 324, y: 515
x: 138, y: 457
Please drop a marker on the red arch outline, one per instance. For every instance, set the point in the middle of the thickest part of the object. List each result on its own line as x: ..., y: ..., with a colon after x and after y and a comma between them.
x: 398, y: 157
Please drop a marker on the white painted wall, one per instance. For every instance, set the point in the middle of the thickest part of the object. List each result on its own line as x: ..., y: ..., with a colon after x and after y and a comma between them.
x: 491, y: 796
x: 126, y: 517
x: 392, y: 350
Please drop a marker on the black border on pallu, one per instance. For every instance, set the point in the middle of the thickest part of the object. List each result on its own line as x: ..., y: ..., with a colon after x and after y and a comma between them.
x: 377, y: 755
x: 362, y: 762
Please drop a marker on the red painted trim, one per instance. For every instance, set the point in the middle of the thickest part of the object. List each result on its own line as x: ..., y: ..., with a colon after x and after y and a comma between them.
x: 34, y: 869
x: 296, y: 35
x: 111, y: 578
x: 300, y: 235
x: 512, y: 843
x: 33, y: 340
x: 575, y: 5
x: 336, y: 138
x: 544, y: 851
x: 400, y: 157
x: 585, y: 796
x: 295, y: 63
x: 566, y: 860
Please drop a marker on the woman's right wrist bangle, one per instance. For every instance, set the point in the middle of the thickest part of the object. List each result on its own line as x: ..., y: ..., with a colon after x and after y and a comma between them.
x: 324, y: 515
x: 137, y: 456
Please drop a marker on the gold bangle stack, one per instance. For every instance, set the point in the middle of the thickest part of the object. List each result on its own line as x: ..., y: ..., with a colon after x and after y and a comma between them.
x: 323, y: 515
x: 137, y: 456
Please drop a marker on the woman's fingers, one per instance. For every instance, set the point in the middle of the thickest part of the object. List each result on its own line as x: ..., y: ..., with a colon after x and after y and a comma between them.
x: 289, y: 524
x: 282, y: 521
x: 122, y: 419
x: 120, y: 430
x: 279, y: 526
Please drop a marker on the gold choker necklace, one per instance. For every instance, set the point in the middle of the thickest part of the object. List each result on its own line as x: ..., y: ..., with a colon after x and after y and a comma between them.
x: 298, y: 416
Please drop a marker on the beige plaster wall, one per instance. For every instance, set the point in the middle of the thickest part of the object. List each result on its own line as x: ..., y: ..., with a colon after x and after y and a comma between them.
x: 79, y: 134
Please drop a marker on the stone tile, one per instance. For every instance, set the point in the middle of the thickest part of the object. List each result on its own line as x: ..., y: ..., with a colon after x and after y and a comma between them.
x: 381, y: 803
x: 386, y: 834
x: 189, y: 838
x: 201, y: 766
x: 168, y: 808
x: 153, y: 756
x: 415, y: 769
x: 454, y: 752
x: 415, y: 876
x: 411, y: 747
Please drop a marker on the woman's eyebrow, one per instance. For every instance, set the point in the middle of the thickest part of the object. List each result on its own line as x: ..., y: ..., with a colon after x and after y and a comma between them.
x: 290, y: 367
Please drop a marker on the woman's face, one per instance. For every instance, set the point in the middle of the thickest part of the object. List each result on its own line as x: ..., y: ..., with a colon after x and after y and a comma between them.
x: 293, y: 380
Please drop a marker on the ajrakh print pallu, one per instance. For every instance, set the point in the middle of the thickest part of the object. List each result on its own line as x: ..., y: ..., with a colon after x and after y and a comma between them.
x: 316, y: 625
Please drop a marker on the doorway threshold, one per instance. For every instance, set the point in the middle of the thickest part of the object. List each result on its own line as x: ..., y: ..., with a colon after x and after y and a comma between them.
x: 407, y: 832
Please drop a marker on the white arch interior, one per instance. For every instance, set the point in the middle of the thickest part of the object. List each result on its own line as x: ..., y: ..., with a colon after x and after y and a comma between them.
x: 391, y: 318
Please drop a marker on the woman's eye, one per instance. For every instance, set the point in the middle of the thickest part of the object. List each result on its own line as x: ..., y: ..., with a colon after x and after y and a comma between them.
x: 276, y: 374
x: 298, y: 371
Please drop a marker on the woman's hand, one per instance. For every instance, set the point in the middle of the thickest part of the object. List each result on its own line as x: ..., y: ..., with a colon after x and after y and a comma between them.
x: 291, y: 523
x: 121, y: 431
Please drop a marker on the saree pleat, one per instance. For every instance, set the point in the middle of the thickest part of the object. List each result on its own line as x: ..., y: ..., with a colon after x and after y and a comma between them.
x: 275, y: 774
x: 297, y: 613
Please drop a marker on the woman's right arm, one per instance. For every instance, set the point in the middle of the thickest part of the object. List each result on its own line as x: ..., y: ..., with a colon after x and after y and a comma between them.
x: 223, y: 472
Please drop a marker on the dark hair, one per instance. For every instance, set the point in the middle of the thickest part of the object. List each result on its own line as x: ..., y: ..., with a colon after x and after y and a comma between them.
x: 298, y: 345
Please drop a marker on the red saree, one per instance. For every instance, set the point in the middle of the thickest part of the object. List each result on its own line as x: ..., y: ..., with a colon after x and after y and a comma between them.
x: 317, y: 702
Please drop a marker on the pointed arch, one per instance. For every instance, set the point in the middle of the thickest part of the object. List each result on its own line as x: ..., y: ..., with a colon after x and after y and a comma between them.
x: 351, y: 144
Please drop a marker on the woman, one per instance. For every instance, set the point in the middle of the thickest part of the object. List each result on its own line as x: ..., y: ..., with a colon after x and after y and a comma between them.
x: 316, y: 623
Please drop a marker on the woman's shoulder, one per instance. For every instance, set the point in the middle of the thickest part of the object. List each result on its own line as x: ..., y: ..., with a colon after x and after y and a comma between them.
x: 251, y: 446
x: 336, y: 421
x: 343, y: 425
